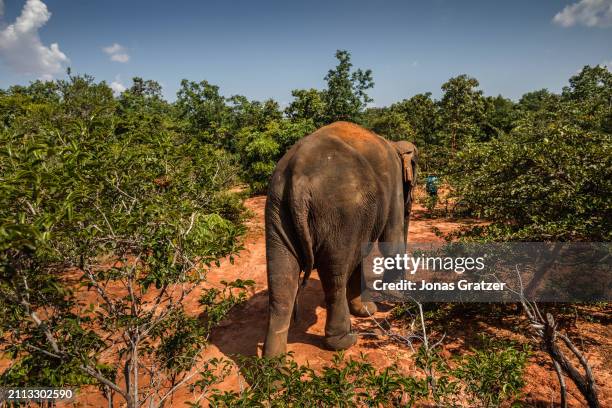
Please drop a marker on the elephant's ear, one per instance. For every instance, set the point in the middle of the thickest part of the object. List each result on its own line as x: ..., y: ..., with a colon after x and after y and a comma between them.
x: 413, y: 166
x: 407, y: 169
x: 408, y: 154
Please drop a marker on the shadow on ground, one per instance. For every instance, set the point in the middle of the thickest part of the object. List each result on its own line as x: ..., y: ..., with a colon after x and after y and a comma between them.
x: 244, y: 330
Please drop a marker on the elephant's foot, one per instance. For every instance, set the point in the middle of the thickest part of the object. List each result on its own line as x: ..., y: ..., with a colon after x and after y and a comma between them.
x: 272, y: 349
x: 362, y: 309
x: 275, y: 344
x: 341, y: 342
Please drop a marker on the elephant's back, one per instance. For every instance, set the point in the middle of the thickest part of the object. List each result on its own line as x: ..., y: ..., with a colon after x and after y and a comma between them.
x: 331, y: 144
x: 337, y: 176
x: 337, y: 160
x: 366, y: 143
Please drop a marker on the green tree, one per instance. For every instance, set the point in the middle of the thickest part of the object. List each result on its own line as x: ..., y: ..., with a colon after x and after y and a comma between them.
x: 346, y: 96
x: 422, y: 113
x: 538, y: 100
x: 389, y: 123
x: 39, y: 91
x: 307, y: 104
x: 18, y: 100
x: 145, y: 88
x: 142, y: 109
x: 245, y: 113
x: 499, y: 116
x: 462, y: 110
x: 549, y: 179
x: 216, y: 119
x: 591, y: 83
x: 202, y: 107
x: 260, y: 150
x: 592, y: 88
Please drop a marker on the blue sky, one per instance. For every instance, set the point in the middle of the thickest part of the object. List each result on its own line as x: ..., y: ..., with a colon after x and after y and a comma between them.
x: 264, y: 49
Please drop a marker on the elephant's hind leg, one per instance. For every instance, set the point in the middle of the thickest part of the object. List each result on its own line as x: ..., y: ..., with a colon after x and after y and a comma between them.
x: 358, y: 307
x: 338, y: 334
x: 283, y: 280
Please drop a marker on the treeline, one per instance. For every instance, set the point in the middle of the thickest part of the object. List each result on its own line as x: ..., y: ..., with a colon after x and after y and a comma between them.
x: 541, y: 160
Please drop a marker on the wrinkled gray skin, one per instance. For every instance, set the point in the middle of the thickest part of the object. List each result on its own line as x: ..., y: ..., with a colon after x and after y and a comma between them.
x: 334, y: 190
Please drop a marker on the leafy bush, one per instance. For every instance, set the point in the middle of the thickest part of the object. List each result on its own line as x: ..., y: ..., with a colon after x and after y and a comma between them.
x: 493, y: 373
x: 260, y: 150
x: 106, y: 193
x: 489, y: 376
x: 281, y: 382
x: 549, y: 179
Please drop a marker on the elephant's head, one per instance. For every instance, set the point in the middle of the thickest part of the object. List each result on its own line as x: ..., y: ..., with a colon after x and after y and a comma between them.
x: 408, y: 155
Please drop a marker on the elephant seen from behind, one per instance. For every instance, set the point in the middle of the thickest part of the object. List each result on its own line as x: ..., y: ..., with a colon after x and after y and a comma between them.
x: 334, y: 190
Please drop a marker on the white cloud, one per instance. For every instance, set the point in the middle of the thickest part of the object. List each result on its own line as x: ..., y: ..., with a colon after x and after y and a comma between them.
x: 117, y: 86
x: 117, y: 53
x: 607, y: 64
x: 21, y: 47
x: 591, y: 13
x: 113, y: 49
x: 123, y: 58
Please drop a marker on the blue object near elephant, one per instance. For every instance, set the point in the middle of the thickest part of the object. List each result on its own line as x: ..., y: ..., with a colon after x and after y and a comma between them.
x: 431, y: 185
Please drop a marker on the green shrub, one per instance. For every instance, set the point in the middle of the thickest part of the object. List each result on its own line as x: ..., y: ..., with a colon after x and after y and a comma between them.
x: 281, y: 382
x: 487, y: 377
x: 98, y: 194
x: 550, y: 177
x: 493, y: 373
x: 260, y: 150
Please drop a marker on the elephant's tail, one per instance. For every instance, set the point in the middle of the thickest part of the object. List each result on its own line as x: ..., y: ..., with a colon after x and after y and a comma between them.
x: 299, y: 212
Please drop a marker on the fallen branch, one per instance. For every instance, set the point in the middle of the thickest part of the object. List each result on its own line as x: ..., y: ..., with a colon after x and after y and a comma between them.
x: 547, y: 335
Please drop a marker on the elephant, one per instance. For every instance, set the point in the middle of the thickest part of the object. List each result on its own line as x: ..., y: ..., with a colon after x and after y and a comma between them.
x: 334, y: 190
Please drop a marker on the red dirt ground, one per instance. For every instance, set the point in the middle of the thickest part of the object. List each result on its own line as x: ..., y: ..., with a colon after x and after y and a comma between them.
x: 243, y: 331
